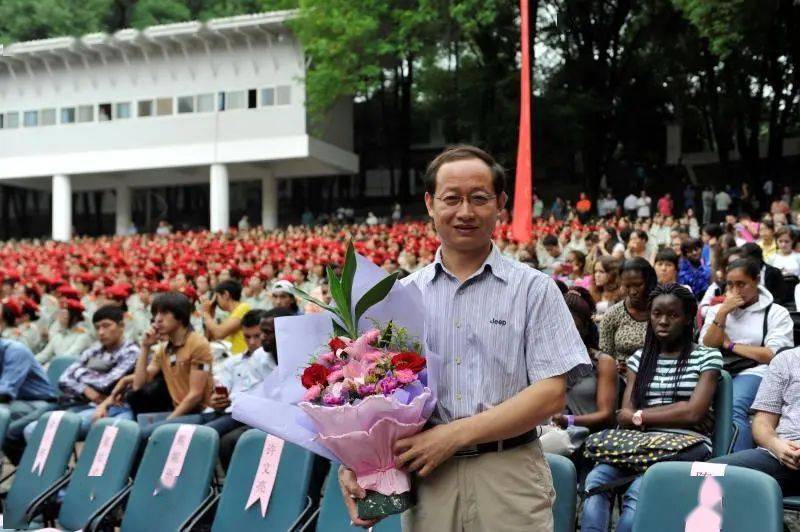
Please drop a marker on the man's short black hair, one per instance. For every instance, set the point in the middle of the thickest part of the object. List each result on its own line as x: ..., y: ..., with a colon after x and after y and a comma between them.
x: 713, y: 230
x: 253, y: 318
x: 173, y: 303
x: 691, y: 244
x: 234, y: 289
x: 460, y: 153
x: 108, y: 312
x: 550, y: 240
x: 277, y: 312
x: 667, y: 255
x: 642, y: 234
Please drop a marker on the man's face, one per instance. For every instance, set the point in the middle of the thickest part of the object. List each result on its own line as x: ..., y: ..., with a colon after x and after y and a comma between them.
x: 666, y: 272
x: 252, y: 337
x: 165, y: 323
x: 268, y: 335
x: 464, y: 226
x: 553, y: 251
x: 282, y: 300
x: 109, y: 332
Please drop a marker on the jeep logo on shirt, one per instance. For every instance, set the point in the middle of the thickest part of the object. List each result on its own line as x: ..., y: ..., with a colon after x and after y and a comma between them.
x: 495, y: 321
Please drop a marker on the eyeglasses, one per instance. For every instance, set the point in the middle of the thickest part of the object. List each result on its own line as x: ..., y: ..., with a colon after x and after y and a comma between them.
x: 476, y: 200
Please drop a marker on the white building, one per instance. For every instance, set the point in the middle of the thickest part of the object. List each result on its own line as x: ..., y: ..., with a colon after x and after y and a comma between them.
x: 186, y: 103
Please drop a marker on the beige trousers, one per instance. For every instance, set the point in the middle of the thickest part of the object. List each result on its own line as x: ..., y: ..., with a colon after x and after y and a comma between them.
x: 508, y: 491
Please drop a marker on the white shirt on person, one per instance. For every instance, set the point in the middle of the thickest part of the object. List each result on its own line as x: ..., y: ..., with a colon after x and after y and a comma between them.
x: 787, y: 264
x: 241, y: 374
x: 746, y: 326
x: 723, y: 200
x: 630, y: 202
x: 643, y: 207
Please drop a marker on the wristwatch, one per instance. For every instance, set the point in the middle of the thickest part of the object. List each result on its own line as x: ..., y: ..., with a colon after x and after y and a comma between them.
x: 637, y: 418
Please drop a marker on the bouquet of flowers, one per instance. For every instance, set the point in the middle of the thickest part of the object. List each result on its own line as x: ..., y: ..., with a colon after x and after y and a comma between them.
x: 360, y: 393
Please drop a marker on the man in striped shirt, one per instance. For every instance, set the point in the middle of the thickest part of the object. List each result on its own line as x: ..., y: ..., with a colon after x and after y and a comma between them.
x: 507, y: 341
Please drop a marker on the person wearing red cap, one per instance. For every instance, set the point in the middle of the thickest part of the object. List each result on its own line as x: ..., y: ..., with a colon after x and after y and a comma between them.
x: 68, y: 337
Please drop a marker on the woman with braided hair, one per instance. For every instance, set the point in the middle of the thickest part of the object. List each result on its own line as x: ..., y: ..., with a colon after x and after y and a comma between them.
x: 670, y: 388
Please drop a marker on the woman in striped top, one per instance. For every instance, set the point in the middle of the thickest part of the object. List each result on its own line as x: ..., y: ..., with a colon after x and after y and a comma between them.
x: 670, y: 387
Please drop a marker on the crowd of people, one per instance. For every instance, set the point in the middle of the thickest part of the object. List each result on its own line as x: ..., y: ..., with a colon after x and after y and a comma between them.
x: 171, y: 327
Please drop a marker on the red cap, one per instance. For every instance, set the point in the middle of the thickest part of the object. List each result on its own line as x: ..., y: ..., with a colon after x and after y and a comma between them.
x: 72, y: 304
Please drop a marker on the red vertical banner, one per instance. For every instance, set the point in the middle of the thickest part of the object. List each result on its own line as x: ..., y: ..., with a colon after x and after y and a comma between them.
x: 522, y: 226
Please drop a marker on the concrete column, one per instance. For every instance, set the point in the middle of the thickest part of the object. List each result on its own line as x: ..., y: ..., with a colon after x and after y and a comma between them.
x: 62, y: 208
x: 220, y: 202
x: 269, y: 201
x: 123, y: 208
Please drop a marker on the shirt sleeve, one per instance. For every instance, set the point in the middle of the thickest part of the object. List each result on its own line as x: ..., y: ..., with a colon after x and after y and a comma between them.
x: 608, y: 328
x: 68, y: 382
x: 200, y: 356
x: 240, y: 311
x: 552, y: 343
x: 780, y: 329
x: 771, y: 391
x: 633, y: 361
x: 711, y: 315
x: 16, y: 365
x: 711, y: 361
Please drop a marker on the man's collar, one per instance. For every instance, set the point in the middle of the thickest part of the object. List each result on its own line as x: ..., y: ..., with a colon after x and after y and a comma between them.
x: 495, y: 262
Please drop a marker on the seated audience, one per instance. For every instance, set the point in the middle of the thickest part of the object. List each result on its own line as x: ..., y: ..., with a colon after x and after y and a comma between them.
x: 769, y: 276
x: 670, y: 387
x: 226, y: 296
x: 69, y: 337
x: 693, y: 273
x: 666, y: 266
x: 749, y: 328
x: 786, y: 259
x: 776, y: 426
x: 604, y: 285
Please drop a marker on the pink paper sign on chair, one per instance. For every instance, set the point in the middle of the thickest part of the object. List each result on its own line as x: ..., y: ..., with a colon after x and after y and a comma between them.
x: 177, y: 455
x: 47, y: 441
x: 264, y: 480
x: 103, y: 451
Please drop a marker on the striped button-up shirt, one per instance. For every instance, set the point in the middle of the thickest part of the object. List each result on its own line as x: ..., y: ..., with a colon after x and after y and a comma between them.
x: 99, y: 368
x: 501, y: 330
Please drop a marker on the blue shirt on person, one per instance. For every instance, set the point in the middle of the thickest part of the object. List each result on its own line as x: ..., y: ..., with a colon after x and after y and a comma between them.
x: 21, y: 376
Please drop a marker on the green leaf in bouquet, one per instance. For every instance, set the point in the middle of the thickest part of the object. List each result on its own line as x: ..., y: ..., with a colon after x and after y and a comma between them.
x: 375, y: 295
x: 342, y: 308
x: 305, y: 296
x: 348, y: 274
x: 338, y: 330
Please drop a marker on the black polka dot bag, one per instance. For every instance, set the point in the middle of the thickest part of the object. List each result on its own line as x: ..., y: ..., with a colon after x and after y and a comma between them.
x: 636, y: 450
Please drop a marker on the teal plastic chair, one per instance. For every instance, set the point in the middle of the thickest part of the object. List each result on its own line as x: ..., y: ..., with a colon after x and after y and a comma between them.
x: 5, y: 416
x: 792, y: 503
x: 332, y: 515
x: 565, y: 482
x: 724, y: 429
x: 751, y: 500
x: 150, y: 506
x: 27, y: 485
x: 85, y: 495
x: 288, y: 504
x: 57, y: 366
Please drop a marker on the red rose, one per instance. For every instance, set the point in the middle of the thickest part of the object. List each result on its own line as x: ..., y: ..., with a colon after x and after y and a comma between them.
x: 315, y: 374
x: 408, y: 360
x: 336, y: 344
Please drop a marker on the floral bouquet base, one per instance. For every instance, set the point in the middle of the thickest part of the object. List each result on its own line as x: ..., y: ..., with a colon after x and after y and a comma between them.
x: 377, y: 505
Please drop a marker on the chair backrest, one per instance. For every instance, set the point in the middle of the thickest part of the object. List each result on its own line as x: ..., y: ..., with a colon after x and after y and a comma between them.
x: 5, y: 415
x: 86, y: 494
x: 333, y: 516
x: 723, y: 415
x: 57, y: 366
x: 28, y: 484
x: 289, y: 493
x: 565, y: 482
x: 152, y: 506
x: 751, y: 500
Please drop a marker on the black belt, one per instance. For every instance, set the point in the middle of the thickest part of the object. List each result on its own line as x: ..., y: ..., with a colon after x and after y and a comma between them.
x: 499, y: 446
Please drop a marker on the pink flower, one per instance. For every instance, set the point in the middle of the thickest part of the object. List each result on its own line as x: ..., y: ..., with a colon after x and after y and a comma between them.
x: 335, y: 375
x: 337, y: 389
x: 327, y: 359
x: 366, y: 389
x: 312, y: 393
x: 355, y: 370
x: 362, y: 345
x: 404, y: 376
x: 332, y: 400
x: 387, y: 385
x: 371, y: 356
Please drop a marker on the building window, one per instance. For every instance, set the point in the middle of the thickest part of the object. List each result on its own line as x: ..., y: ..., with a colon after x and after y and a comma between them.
x: 164, y: 106
x: 145, y: 108
x: 47, y: 117
x: 221, y: 101
x: 284, y: 95
x: 2, y: 119
x: 30, y: 118
x: 67, y: 115
x: 86, y: 113
x: 235, y: 100
x: 205, y: 103
x: 123, y: 110
x: 104, y: 112
x: 186, y: 104
x: 12, y: 120
x: 251, y: 99
x: 267, y: 97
